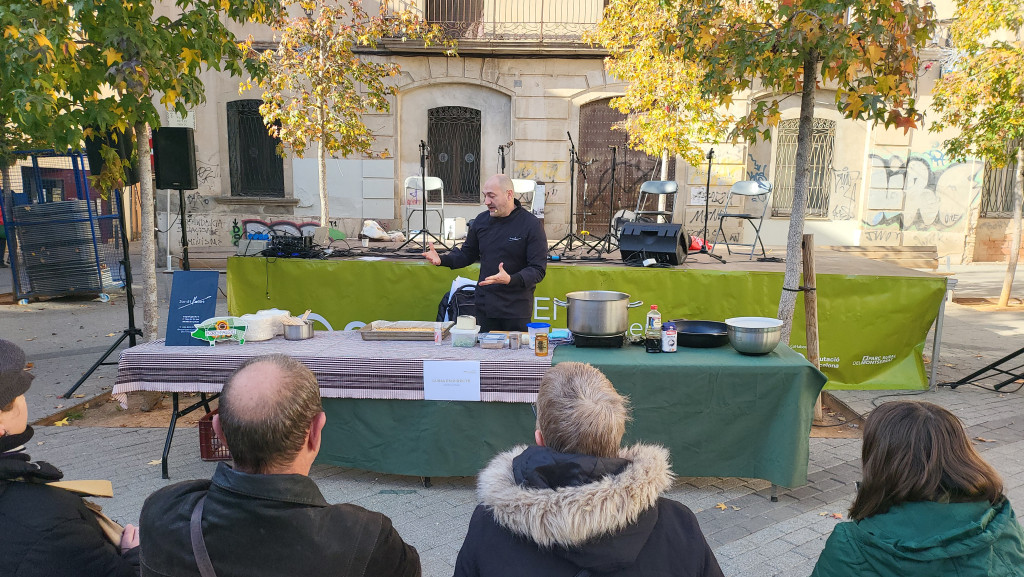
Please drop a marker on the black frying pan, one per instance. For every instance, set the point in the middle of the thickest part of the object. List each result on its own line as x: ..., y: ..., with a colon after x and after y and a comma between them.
x: 701, y: 334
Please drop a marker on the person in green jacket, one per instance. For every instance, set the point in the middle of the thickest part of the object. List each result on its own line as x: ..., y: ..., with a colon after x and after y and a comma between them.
x: 929, y: 505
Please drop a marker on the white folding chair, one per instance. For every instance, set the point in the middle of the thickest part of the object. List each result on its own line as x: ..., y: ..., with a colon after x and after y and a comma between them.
x: 524, y: 190
x: 414, y: 183
x: 754, y: 192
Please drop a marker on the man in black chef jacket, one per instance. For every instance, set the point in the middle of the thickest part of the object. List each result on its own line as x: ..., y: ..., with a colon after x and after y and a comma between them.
x: 512, y: 249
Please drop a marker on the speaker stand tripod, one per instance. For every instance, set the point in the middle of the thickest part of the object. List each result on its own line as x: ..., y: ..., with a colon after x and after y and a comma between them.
x: 130, y: 333
x: 707, y: 204
x: 423, y: 208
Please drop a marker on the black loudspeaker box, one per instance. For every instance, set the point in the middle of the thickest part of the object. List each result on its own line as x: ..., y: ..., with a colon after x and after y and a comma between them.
x: 123, y: 143
x: 174, y: 158
x: 665, y: 243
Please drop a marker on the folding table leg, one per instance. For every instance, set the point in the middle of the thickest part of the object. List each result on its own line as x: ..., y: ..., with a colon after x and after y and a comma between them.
x: 775, y: 493
x: 170, y: 434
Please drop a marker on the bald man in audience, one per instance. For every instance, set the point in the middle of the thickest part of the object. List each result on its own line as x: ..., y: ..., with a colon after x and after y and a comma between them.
x: 265, y: 516
x: 512, y: 248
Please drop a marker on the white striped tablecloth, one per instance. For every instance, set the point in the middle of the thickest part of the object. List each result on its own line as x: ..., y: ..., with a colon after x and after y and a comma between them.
x: 345, y: 365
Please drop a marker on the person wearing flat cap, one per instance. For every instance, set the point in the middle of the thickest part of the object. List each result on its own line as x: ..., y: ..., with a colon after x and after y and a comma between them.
x: 46, y: 530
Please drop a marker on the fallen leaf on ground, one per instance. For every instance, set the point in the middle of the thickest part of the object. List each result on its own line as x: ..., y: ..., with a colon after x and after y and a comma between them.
x: 40, y: 443
x: 29, y: 365
x: 836, y: 515
x: 155, y: 462
x: 110, y: 334
x: 984, y: 440
x: 61, y: 422
x: 31, y: 339
x: 823, y: 514
x: 721, y: 506
x: 735, y: 508
x: 79, y: 396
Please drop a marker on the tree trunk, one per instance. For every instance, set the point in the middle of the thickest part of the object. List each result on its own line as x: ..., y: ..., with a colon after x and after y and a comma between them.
x: 150, y: 310
x: 1018, y: 201
x: 794, y: 241
x: 321, y: 154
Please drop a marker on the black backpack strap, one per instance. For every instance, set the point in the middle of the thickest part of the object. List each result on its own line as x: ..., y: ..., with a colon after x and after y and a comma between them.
x: 198, y: 543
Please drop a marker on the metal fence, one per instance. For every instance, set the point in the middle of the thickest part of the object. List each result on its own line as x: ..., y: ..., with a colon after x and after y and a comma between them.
x: 64, y: 238
x: 999, y: 185
x: 819, y: 185
x: 510, y: 20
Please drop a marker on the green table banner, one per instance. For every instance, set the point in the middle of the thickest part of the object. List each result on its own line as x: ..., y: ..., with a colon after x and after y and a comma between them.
x: 720, y: 413
x: 872, y: 329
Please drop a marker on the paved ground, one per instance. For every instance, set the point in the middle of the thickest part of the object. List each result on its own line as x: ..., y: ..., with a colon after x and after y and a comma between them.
x: 759, y: 538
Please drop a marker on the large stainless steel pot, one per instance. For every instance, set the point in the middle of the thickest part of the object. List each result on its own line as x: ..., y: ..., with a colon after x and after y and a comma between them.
x: 597, y: 313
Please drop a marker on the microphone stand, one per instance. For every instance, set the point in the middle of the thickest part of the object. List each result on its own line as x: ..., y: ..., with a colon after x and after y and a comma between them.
x: 566, y: 241
x: 610, y: 237
x: 707, y: 202
x: 423, y: 206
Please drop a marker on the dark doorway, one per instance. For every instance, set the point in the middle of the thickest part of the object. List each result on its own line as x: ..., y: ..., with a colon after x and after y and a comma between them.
x: 453, y: 135
x: 632, y: 168
x: 256, y: 168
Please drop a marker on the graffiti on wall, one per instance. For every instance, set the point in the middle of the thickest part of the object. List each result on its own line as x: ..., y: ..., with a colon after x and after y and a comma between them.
x: 844, y: 193
x: 255, y: 226
x: 541, y: 171
x: 925, y: 192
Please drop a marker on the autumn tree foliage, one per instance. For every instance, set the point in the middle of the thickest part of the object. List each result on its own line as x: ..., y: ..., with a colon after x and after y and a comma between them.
x: 77, y: 68
x: 316, y: 87
x: 864, y: 50
x: 665, y: 109
x: 982, y: 97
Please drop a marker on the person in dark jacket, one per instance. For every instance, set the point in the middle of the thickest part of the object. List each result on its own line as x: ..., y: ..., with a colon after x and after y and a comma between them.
x: 266, y: 516
x: 512, y: 249
x: 46, y: 530
x: 577, y: 504
x: 928, y: 505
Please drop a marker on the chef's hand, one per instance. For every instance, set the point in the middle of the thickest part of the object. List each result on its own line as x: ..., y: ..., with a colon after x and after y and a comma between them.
x: 431, y: 255
x: 500, y: 278
x: 130, y: 537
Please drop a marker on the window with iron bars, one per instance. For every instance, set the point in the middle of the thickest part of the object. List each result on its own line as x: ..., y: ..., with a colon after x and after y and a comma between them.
x: 998, y: 186
x: 819, y: 185
x: 256, y: 169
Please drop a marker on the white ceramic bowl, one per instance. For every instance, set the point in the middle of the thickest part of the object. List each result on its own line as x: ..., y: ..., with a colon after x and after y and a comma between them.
x: 754, y: 335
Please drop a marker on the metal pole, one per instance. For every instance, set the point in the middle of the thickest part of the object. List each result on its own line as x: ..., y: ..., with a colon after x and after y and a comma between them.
x: 937, y: 338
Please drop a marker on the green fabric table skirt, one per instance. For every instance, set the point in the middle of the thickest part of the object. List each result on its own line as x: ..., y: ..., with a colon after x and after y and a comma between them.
x: 720, y: 413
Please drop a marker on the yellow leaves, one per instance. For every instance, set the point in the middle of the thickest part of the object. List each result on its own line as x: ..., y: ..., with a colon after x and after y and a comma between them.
x: 773, y: 118
x: 189, y: 55
x: 112, y: 56
x: 169, y: 97
x: 225, y: 5
x: 11, y: 32
x: 42, y: 40
x: 854, y: 105
x: 51, y: 4
x: 61, y: 422
x: 884, y: 84
x: 874, y: 52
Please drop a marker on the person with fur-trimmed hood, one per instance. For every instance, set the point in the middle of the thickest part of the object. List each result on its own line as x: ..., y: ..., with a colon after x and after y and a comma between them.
x: 578, y: 504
